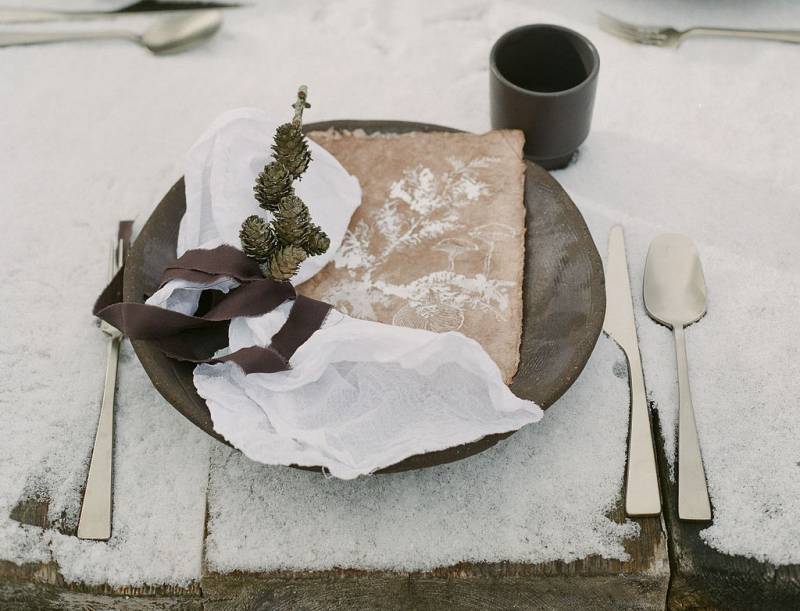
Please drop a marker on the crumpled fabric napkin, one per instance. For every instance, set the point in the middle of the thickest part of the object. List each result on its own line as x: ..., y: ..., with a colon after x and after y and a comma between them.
x: 360, y: 395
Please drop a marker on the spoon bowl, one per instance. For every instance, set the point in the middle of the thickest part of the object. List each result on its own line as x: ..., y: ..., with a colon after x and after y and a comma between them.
x: 179, y: 33
x: 674, y: 285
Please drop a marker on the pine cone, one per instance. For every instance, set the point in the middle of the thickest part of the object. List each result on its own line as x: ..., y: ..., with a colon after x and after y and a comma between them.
x: 291, y: 221
x: 272, y: 185
x: 284, y: 263
x: 258, y: 239
x: 315, y: 241
x: 291, y: 149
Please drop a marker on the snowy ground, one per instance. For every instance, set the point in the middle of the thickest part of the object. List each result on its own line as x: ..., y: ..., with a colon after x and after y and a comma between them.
x: 703, y: 140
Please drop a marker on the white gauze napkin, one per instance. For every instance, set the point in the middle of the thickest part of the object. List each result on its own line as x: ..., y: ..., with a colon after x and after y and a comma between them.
x: 360, y: 395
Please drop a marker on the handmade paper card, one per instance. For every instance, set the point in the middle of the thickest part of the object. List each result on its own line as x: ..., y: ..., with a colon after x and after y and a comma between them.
x: 438, y: 241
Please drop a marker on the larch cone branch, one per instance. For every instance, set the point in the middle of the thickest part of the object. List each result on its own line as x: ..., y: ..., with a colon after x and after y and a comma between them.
x: 281, y: 244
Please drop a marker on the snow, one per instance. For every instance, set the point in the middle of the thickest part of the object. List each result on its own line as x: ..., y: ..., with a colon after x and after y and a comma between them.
x: 700, y: 140
x: 541, y: 495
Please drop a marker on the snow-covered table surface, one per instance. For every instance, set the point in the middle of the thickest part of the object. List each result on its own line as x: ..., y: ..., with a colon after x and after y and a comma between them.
x: 702, y: 140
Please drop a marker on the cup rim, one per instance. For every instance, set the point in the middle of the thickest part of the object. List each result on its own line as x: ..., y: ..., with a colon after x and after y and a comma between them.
x: 545, y: 26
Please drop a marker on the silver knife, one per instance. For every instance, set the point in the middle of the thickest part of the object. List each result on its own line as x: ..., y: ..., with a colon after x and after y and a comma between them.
x: 642, y: 496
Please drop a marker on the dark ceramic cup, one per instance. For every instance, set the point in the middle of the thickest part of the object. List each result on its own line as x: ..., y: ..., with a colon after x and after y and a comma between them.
x: 542, y: 81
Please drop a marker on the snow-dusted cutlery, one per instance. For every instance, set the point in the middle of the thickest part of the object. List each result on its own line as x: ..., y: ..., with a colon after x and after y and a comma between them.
x: 662, y: 36
x: 95, y: 518
x: 642, y: 496
x: 675, y: 295
x: 163, y: 36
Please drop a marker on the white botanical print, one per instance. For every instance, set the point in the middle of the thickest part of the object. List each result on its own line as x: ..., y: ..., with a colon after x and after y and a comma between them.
x: 422, y: 212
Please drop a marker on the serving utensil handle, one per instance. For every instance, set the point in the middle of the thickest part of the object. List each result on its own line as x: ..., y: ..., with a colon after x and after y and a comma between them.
x: 693, y: 501
x: 9, y: 39
x: 642, y: 496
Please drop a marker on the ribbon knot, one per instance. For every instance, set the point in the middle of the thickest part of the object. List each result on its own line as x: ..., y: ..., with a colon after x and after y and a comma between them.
x: 196, y: 338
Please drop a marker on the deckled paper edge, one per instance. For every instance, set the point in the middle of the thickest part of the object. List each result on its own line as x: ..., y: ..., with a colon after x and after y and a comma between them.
x: 517, y: 147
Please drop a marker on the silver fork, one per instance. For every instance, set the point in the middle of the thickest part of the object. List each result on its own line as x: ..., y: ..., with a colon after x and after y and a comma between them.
x: 670, y: 37
x: 95, y: 519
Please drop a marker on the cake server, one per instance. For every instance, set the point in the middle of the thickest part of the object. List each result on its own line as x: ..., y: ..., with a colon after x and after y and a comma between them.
x: 642, y: 496
x: 675, y: 295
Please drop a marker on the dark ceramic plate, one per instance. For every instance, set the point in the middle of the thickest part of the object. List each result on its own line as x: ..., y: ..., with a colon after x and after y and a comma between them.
x: 563, y: 293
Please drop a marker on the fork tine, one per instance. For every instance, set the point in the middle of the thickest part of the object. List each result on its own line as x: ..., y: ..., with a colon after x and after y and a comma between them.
x: 622, y: 34
x: 613, y: 22
x: 120, y: 254
x: 626, y: 25
x: 112, y: 261
x: 649, y: 35
x: 617, y: 27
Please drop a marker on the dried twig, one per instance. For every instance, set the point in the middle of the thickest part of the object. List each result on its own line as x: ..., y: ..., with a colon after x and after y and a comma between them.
x: 300, y: 105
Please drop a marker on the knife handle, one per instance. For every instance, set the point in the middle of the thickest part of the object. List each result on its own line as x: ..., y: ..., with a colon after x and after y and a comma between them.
x: 642, y: 496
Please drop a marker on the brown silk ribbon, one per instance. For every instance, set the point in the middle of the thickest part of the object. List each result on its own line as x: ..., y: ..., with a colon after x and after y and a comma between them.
x: 196, y: 338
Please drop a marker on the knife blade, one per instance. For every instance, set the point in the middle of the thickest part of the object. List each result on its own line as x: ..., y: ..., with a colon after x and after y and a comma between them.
x: 642, y: 496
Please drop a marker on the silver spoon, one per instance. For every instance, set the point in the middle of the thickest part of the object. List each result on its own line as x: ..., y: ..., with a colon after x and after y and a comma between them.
x: 675, y: 295
x: 164, y: 36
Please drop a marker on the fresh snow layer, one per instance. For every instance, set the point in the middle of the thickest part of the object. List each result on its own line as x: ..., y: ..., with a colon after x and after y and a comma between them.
x: 519, y: 501
x: 700, y: 140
